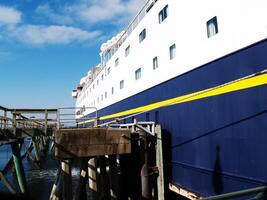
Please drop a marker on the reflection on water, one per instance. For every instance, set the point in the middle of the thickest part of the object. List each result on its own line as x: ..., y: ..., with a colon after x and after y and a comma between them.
x: 40, y: 181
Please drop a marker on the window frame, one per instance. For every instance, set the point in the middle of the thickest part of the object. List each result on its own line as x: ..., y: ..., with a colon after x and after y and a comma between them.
x: 138, y: 74
x: 142, y: 35
x: 163, y: 14
x: 127, y: 51
x: 211, y: 21
x: 157, y: 63
x: 172, y: 51
x: 121, y: 84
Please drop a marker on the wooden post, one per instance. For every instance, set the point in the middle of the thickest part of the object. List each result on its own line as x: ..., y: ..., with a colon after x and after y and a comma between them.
x: 159, y: 162
x: 19, y: 167
x: 5, y: 119
x: 104, y: 190
x: 55, y: 186
x: 67, y: 179
x: 36, y: 150
x: 113, y: 176
x: 80, y: 193
x: 92, y: 178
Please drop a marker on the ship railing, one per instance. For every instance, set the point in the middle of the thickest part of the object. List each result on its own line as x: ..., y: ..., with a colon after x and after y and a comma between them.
x: 146, y: 126
x: 130, y: 28
x: 76, y: 117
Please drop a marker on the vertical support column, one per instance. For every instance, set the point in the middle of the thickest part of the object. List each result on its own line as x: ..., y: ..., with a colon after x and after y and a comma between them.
x: 54, y: 191
x: 14, y: 124
x: 19, y: 167
x: 80, y: 193
x: 92, y: 178
x: 67, y: 179
x: 5, y: 119
x: 36, y: 150
x: 113, y: 177
x: 159, y: 163
x: 104, y: 190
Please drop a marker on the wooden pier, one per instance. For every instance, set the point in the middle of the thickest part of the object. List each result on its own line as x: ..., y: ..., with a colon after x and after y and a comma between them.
x: 122, y: 161
x: 14, y: 128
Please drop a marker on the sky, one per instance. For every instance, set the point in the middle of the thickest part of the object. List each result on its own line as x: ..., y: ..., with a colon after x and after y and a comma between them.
x: 47, y: 46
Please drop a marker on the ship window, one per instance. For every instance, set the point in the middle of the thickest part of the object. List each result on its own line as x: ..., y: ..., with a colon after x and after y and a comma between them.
x: 138, y: 74
x: 106, y: 95
x: 163, y: 14
x: 127, y: 51
x: 116, y: 62
x: 97, y: 82
x: 93, y: 86
x: 142, y: 35
x: 112, y: 90
x: 212, y: 27
x: 121, y: 84
x: 97, y: 99
x: 108, y: 71
x: 172, y: 51
x: 101, y: 97
x: 102, y: 77
x: 155, y: 63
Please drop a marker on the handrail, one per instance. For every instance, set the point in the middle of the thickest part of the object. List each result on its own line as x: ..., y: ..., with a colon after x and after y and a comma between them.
x: 230, y: 195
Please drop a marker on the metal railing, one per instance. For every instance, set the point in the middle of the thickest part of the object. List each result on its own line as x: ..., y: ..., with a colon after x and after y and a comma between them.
x: 260, y: 192
x: 75, y: 117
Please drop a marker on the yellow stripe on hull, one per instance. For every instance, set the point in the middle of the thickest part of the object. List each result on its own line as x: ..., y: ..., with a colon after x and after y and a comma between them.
x: 227, y: 88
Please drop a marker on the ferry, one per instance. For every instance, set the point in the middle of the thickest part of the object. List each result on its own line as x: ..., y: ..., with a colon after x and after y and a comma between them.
x: 198, y: 68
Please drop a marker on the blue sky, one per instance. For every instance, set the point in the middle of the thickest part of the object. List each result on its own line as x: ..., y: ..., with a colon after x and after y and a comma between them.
x: 46, y: 46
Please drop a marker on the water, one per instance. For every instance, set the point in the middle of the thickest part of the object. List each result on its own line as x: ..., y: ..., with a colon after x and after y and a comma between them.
x: 39, y: 181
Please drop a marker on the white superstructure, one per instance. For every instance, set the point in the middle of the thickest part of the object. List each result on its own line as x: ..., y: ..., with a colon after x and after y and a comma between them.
x: 166, y: 39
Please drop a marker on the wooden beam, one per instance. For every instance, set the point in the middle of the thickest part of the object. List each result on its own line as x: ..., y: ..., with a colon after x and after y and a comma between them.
x: 86, y: 142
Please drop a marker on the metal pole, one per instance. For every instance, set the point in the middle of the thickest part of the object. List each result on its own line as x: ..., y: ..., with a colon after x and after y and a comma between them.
x: 236, y: 194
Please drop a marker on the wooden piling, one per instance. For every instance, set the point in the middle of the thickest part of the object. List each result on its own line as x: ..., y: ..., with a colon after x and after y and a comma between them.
x: 92, y: 178
x: 159, y: 163
x: 67, y: 179
x: 103, y: 183
x: 80, y: 193
x: 36, y: 149
x: 19, y: 167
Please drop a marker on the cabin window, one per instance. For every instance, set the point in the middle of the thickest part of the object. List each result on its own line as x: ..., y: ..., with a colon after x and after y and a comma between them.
x: 106, y: 95
x: 212, y: 27
x: 172, y: 51
x: 97, y: 82
x: 163, y: 14
x: 155, y: 63
x: 127, y: 51
x: 108, y: 71
x: 101, y: 97
x: 121, y: 84
x: 112, y: 90
x: 138, y: 74
x: 93, y: 86
x: 116, y: 62
x: 97, y: 99
x: 142, y: 35
x: 102, y: 77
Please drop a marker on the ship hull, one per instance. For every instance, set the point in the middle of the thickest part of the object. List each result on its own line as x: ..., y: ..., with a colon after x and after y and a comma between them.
x: 217, y: 143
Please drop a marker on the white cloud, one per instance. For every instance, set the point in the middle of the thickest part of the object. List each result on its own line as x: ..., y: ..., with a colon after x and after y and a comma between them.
x: 41, y: 35
x: 50, y: 14
x: 93, y: 11
x: 112, y: 11
x: 9, y: 16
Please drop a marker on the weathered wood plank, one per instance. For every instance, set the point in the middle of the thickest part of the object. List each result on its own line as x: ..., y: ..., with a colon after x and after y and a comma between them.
x: 85, y: 142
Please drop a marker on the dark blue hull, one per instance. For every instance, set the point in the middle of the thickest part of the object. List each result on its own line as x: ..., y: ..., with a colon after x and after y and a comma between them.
x: 217, y: 144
